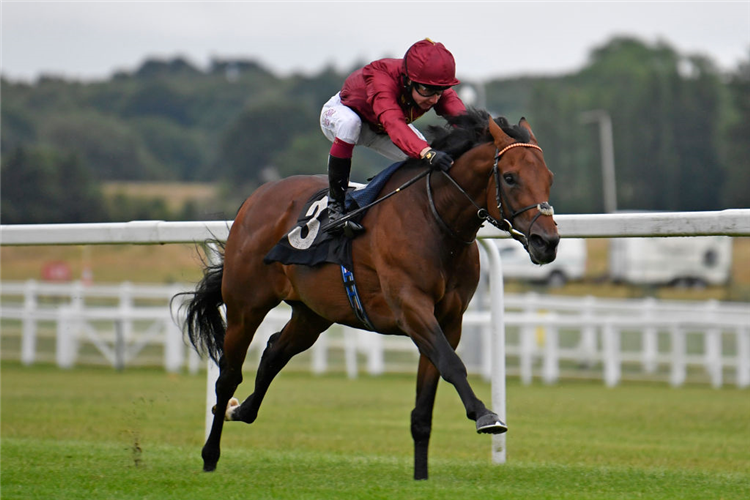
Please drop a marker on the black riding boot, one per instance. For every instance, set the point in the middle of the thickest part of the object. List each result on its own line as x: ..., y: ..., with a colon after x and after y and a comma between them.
x: 338, y: 182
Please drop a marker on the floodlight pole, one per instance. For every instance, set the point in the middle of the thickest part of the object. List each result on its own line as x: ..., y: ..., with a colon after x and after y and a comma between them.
x: 606, y: 143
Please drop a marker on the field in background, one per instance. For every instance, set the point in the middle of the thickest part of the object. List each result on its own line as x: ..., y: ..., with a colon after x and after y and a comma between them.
x: 175, y: 194
x: 106, y: 263
x: 96, y: 433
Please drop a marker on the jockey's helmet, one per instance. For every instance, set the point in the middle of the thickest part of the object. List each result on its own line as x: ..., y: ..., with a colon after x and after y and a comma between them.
x: 430, y: 63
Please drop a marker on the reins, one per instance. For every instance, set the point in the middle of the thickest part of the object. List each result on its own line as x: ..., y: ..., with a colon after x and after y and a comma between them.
x: 435, y: 213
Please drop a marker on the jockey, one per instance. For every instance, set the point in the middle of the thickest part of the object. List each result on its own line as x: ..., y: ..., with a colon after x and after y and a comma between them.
x: 388, y: 95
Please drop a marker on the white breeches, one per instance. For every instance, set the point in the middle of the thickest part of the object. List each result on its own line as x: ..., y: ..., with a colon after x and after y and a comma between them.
x: 338, y: 120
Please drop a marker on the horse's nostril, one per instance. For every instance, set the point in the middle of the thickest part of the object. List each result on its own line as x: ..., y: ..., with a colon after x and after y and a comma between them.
x: 553, y: 241
x: 543, y: 244
x: 538, y: 242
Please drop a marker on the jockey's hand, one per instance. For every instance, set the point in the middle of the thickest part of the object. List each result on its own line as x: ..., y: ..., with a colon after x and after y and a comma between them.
x: 437, y: 160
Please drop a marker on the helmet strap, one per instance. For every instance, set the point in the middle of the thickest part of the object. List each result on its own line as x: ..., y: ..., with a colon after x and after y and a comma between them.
x: 408, y: 87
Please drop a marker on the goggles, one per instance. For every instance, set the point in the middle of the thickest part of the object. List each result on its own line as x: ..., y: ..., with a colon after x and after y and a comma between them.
x: 428, y: 90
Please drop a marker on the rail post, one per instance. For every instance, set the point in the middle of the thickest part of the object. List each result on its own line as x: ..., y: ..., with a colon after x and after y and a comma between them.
x: 678, y: 373
x: 66, y: 341
x: 712, y: 346
x: 743, y: 357
x: 650, y: 339
x: 174, y: 347
x: 28, y: 341
x: 497, y: 345
x: 551, y: 362
x: 588, y: 332
x: 611, y: 354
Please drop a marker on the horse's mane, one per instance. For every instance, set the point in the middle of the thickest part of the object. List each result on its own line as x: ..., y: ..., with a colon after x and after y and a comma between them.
x: 465, y: 131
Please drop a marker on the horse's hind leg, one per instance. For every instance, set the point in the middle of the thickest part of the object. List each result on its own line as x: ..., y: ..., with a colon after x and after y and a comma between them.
x: 239, y: 334
x: 298, y: 335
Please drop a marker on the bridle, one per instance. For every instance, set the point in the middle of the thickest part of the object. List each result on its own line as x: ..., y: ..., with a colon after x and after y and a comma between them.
x: 506, y: 224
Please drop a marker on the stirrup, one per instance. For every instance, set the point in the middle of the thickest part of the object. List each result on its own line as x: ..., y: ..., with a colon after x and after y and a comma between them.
x: 337, y: 211
x: 350, y: 229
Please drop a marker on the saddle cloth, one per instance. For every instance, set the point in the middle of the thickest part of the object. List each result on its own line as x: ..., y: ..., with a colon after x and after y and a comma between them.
x: 306, y: 244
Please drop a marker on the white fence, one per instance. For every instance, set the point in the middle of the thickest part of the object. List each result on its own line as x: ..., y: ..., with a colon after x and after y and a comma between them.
x: 547, y: 336
x: 119, y: 321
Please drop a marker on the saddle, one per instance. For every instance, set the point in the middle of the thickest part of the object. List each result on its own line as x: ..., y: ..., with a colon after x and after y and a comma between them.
x: 308, y: 245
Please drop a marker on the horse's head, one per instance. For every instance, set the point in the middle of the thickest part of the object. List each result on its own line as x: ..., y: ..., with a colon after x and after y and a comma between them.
x: 522, y: 184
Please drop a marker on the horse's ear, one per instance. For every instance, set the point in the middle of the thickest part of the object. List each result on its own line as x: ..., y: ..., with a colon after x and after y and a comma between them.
x: 501, y: 138
x: 523, y: 123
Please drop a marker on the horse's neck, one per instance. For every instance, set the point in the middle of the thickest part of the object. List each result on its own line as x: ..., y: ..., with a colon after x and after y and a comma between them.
x: 474, y: 168
x: 472, y: 172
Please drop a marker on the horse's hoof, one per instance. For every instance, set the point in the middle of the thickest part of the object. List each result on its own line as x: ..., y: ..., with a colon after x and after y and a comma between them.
x: 490, y: 424
x: 233, y: 404
x: 210, y: 458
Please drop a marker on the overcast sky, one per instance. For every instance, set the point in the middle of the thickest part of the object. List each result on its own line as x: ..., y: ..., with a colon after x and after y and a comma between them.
x: 91, y: 40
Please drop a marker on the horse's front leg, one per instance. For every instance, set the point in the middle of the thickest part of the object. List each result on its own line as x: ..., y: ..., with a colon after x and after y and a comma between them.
x: 418, y: 321
x: 421, y: 417
x: 427, y: 382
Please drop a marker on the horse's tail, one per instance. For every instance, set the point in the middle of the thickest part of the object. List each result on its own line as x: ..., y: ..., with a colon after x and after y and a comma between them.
x: 205, y: 325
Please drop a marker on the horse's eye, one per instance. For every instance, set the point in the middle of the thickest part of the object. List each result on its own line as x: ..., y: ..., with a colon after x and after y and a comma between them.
x: 509, y: 179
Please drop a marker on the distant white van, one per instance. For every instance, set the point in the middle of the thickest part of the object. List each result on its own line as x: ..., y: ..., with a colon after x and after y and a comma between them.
x: 692, y: 261
x: 570, y: 263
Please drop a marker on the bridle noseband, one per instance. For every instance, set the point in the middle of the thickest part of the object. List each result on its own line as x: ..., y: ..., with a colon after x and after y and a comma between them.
x: 506, y: 224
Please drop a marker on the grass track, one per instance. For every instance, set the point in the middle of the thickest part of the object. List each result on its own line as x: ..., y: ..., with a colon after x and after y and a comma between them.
x: 73, y: 434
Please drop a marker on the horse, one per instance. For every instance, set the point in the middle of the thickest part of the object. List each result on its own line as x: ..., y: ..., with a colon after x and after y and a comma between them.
x: 416, y: 268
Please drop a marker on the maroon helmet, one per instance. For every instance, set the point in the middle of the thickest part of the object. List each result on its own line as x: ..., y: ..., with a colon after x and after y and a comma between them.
x: 430, y: 63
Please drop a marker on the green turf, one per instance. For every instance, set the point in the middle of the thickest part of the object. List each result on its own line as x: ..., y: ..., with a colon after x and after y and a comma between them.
x: 96, y: 433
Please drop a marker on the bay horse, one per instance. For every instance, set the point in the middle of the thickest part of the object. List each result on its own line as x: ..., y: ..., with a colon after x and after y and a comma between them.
x: 416, y: 268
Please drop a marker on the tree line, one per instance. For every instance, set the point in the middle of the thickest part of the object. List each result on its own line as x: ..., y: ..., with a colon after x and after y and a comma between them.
x: 681, y: 132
